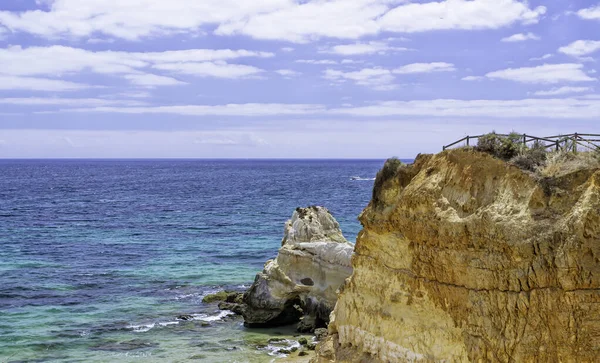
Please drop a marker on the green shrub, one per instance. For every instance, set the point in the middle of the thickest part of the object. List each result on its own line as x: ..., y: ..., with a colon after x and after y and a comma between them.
x: 489, y: 143
x: 389, y: 170
x: 502, y: 147
x: 531, y: 159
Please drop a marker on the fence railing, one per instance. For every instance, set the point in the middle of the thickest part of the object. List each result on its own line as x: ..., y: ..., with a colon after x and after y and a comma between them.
x: 568, y: 142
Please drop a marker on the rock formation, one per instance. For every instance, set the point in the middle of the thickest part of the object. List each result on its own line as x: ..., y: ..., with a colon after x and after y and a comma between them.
x: 302, y: 281
x: 465, y: 258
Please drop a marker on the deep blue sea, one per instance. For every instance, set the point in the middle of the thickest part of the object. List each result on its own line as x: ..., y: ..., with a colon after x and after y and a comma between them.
x: 99, y: 257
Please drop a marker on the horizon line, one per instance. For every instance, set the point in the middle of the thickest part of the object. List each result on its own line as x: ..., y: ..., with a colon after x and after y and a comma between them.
x: 190, y: 158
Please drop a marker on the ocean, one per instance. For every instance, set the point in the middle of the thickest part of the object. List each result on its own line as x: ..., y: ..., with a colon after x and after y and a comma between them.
x: 99, y: 257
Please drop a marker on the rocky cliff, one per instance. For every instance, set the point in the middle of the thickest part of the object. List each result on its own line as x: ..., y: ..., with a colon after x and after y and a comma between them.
x: 301, y: 283
x: 465, y: 258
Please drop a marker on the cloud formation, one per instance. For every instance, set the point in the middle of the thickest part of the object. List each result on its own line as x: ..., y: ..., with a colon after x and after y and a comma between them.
x: 378, y: 79
x: 551, y: 108
x: 425, y: 68
x: 581, y: 48
x: 547, y: 73
x: 38, y: 84
x: 563, y: 91
x: 361, y: 48
x: 592, y: 13
x: 520, y: 37
x: 296, y: 21
x: 136, y: 67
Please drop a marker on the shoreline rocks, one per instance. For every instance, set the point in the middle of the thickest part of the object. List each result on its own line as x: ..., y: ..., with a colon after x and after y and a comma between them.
x: 300, y: 285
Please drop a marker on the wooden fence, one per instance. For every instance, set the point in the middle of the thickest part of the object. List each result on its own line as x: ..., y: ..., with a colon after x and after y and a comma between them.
x: 568, y: 142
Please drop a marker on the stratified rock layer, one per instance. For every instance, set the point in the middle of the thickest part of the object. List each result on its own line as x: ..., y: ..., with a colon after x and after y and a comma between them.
x: 465, y: 258
x: 311, y: 265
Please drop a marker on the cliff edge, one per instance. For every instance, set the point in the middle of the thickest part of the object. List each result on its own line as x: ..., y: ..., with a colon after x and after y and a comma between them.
x: 301, y: 283
x: 466, y: 258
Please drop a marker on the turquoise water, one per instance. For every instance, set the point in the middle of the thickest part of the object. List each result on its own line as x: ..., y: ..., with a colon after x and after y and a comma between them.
x: 98, y: 258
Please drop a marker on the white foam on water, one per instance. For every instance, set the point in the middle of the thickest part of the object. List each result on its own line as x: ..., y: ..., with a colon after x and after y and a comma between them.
x: 274, y: 348
x: 186, y: 296
x: 206, y: 317
x: 169, y: 323
x: 141, y: 328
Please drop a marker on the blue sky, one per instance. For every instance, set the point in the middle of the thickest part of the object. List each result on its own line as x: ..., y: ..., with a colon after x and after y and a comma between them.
x: 289, y: 78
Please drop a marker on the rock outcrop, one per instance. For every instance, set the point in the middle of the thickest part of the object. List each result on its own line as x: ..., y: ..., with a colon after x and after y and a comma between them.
x: 465, y: 258
x: 301, y: 283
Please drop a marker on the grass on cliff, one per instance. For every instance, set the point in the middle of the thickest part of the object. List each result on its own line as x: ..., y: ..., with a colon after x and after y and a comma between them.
x: 562, y: 162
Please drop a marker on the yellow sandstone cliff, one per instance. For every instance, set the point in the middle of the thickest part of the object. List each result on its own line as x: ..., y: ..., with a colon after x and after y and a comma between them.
x: 465, y: 258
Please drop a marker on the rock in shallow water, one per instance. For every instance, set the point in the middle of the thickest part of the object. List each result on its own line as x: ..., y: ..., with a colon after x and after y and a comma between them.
x: 311, y: 265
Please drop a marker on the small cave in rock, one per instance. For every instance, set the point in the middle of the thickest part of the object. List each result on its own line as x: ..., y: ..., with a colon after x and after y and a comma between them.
x: 307, y: 281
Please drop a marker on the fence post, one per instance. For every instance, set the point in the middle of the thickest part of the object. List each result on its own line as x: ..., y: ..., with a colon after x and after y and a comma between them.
x: 575, y: 143
x: 467, y: 140
x: 524, y: 140
x: 557, y: 147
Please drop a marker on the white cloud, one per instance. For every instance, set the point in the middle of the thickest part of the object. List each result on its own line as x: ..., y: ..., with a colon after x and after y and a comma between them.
x: 581, y: 47
x: 60, y: 60
x: 592, y: 13
x: 132, y: 19
x: 459, y: 14
x: 568, y: 108
x: 311, y: 20
x: 520, y: 37
x: 287, y: 73
x: 563, y: 91
x: 38, y: 84
x: 65, y: 61
x: 152, y: 80
x: 547, y: 73
x: 100, y: 40
x: 545, y: 56
x: 552, y: 108
x: 287, y: 49
x: 316, y: 61
x: 129, y: 94
x: 425, y: 68
x: 297, y: 21
x: 351, y: 61
x: 360, y: 48
x: 473, y: 78
x: 217, y: 69
x: 247, y: 109
x: 78, y: 102
x: 379, y: 79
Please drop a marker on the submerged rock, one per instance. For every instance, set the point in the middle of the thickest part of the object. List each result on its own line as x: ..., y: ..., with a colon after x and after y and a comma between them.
x: 185, y: 317
x: 219, y: 296
x: 465, y: 258
x: 311, y: 265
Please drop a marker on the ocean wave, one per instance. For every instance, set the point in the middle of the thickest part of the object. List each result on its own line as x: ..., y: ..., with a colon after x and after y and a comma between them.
x: 359, y: 178
x: 209, y: 318
x: 141, y: 328
x: 169, y: 323
x: 274, y: 349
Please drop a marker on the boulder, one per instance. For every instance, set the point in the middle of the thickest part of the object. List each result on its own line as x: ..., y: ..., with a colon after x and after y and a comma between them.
x: 302, y: 280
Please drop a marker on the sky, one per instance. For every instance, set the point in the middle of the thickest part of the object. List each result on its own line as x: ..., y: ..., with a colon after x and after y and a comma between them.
x: 290, y: 78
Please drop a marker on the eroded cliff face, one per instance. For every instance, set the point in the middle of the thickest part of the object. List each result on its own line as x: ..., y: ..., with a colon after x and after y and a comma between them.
x: 465, y: 258
x: 302, y: 281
